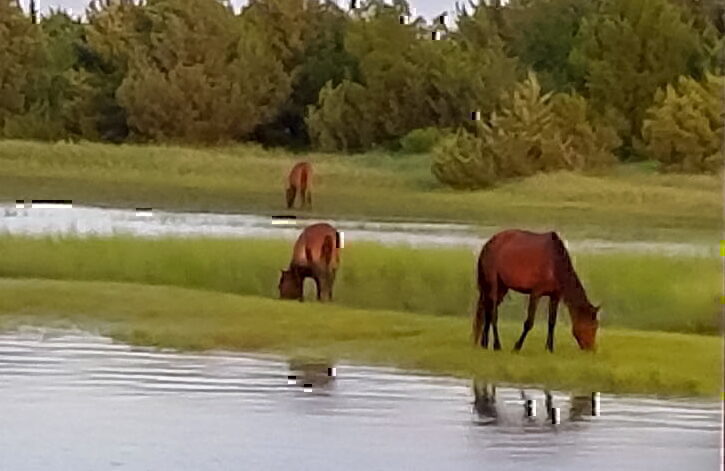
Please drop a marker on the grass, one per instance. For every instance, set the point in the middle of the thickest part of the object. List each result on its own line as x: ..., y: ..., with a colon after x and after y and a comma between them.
x: 649, y: 292
x: 630, y: 202
x: 625, y: 362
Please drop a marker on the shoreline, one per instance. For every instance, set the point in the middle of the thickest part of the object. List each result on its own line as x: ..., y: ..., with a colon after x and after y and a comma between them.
x: 626, y: 362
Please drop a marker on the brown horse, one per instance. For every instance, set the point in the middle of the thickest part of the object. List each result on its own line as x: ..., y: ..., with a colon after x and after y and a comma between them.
x: 316, y: 254
x: 300, y: 180
x: 537, y: 265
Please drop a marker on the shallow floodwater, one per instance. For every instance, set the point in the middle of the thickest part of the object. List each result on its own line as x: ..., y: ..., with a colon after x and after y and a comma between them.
x: 87, y: 220
x: 75, y: 401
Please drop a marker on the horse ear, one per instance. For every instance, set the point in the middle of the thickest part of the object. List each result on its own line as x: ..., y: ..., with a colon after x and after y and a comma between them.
x: 597, y: 310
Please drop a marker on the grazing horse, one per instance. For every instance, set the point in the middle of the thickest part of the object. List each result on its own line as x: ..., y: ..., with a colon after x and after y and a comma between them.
x: 316, y: 254
x: 537, y: 265
x: 300, y: 180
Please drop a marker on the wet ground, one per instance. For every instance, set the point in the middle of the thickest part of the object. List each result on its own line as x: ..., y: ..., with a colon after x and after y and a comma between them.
x: 86, y: 220
x: 71, y: 400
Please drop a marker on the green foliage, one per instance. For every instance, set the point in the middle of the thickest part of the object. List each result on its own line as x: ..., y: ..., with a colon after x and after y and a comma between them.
x: 339, y: 122
x: 21, y: 60
x: 308, y: 37
x: 421, y: 140
x: 543, y: 33
x: 53, y: 114
x: 707, y: 14
x: 587, y: 141
x: 199, y: 79
x: 301, y: 72
x: 685, y: 125
x: 113, y: 30
x: 464, y: 161
x: 408, y: 81
x: 629, y: 49
x: 530, y: 133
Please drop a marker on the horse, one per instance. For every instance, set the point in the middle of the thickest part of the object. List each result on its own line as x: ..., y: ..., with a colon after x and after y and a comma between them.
x: 494, y: 410
x: 536, y: 264
x: 300, y: 179
x: 316, y: 254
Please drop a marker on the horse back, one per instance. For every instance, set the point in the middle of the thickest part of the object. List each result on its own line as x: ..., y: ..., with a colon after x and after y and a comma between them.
x: 317, y: 247
x: 300, y: 175
x: 523, y: 261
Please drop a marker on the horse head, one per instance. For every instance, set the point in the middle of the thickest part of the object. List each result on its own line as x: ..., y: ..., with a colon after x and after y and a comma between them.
x: 585, y: 325
x: 290, y: 285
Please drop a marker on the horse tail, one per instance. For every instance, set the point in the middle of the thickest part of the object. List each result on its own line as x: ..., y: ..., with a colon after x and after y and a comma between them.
x: 479, y: 311
x: 480, y: 268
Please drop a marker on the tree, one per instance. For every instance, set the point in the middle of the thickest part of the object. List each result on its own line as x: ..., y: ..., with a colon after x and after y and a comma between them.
x: 307, y: 36
x: 341, y: 120
x: 542, y: 35
x: 627, y: 50
x: 205, y: 76
x: 685, y: 125
x: 409, y: 81
x: 115, y: 28
x: 21, y: 60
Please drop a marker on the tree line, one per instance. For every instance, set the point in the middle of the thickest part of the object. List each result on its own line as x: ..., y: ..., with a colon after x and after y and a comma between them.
x: 498, y: 91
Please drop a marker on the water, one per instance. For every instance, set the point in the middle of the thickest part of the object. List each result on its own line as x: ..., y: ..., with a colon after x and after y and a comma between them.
x: 73, y: 400
x: 86, y: 221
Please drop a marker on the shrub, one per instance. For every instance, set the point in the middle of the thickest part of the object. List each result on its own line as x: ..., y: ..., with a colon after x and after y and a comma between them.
x: 419, y: 141
x: 685, y: 125
x: 531, y: 133
x: 461, y: 161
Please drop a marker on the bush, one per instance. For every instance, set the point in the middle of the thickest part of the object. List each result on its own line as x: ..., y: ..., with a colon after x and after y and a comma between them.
x: 532, y: 133
x: 419, y: 141
x: 685, y: 125
x: 461, y: 161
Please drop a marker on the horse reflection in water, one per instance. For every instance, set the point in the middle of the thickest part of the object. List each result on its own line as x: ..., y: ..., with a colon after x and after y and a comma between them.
x: 311, y: 374
x: 493, y: 410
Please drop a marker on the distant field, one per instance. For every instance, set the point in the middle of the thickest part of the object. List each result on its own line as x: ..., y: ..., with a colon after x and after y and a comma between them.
x: 674, y: 293
x: 626, y: 361
x: 631, y: 202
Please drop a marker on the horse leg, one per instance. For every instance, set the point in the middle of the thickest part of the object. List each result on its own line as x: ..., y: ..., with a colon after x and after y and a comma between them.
x: 319, y: 284
x: 302, y: 287
x: 291, y: 194
x: 303, y: 197
x: 330, y: 283
x: 553, y: 306
x: 309, y: 198
x: 529, y: 322
x: 501, y: 292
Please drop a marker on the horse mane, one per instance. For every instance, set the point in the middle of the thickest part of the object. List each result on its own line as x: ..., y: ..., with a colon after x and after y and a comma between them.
x: 572, y: 288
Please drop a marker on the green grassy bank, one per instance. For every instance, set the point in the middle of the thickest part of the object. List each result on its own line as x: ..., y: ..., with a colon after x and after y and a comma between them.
x: 626, y: 361
x: 674, y: 293
x: 630, y: 202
